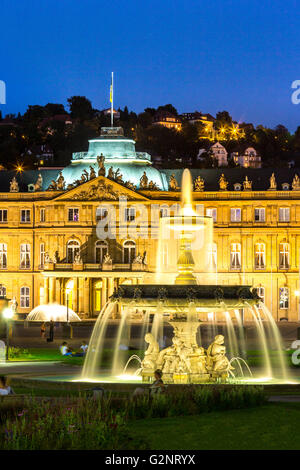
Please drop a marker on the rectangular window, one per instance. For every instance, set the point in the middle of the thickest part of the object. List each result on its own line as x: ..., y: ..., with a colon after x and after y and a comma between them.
x: 25, y: 297
x: 212, y: 213
x: 25, y: 216
x: 130, y: 214
x: 235, y: 215
x: 3, y: 215
x: 101, y: 213
x: 284, y: 256
x: 284, y: 297
x: 42, y: 254
x: 284, y: 214
x: 3, y: 255
x: 235, y: 256
x: 42, y: 215
x: 260, y: 256
x: 25, y: 256
x: 259, y: 214
x: 73, y: 215
x: 261, y: 293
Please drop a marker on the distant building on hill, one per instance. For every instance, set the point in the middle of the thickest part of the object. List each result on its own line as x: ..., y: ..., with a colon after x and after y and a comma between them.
x: 219, y: 153
x: 247, y: 159
x: 166, y: 119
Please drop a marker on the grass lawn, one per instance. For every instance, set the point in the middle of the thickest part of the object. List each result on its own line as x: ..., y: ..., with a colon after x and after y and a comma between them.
x: 273, y: 426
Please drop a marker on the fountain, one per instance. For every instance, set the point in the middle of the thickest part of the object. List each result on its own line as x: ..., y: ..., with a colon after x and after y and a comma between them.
x: 183, y: 305
x: 52, y: 311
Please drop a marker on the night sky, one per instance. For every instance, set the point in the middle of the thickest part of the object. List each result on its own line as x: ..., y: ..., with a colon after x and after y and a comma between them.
x: 238, y: 55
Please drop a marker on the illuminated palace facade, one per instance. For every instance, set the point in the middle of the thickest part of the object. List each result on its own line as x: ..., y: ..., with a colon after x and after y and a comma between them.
x: 50, y: 249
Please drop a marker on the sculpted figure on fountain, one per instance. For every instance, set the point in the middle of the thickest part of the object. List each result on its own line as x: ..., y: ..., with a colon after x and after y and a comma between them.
x: 151, y: 354
x: 217, y: 363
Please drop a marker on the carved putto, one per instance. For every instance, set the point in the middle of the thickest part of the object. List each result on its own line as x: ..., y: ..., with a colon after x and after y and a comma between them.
x: 77, y: 259
x: 92, y: 173
x: 47, y: 258
x: 217, y: 362
x: 296, y: 183
x: 199, y: 184
x: 138, y: 259
x: 130, y: 185
x: 107, y: 259
x: 39, y: 182
x: 152, y: 186
x: 111, y: 173
x: 101, y: 167
x: 144, y: 181
x: 60, y: 185
x: 173, y: 185
x: 273, y: 184
x: 151, y: 354
x: 14, y: 186
x: 247, y: 184
x: 52, y: 186
x: 223, y: 183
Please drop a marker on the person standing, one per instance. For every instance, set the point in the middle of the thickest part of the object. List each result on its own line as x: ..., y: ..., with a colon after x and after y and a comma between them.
x: 43, y: 330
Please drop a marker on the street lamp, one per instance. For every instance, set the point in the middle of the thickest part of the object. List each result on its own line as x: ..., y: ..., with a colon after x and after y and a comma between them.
x: 7, y: 313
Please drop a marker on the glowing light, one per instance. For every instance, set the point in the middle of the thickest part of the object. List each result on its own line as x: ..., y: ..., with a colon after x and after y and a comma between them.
x: 8, y: 313
x: 55, y: 312
x: 297, y: 293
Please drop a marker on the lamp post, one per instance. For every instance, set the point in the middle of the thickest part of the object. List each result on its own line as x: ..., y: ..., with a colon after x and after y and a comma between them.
x: 7, y: 313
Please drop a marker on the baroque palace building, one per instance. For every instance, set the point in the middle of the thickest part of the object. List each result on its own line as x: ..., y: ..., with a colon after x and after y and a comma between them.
x: 50, y: 249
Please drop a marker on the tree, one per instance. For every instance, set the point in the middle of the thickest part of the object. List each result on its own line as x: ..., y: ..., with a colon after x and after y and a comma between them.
x: 169, y: 108
x: 80, y: 108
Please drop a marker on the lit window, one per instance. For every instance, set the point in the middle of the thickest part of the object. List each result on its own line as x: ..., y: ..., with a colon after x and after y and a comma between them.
x: 235, y: 256
x: 3, y: 255
x: 101, y: 213
x: 3, y: 215
x: 42, y: 254
x: 25, y: 297
x: 260, y: 256
x: 101, y: 249
x: 212, y: 257
x: 25, y: 215
x: 2, y: 291
x: 42, y: 215
x: 129, y: 251
x: 25, y: 256
x: 235, y: 215
x: 259, y: 214
x: 164, y: 212
x: 261, y: 293
x: 212, y: 213
x: 283, y: 297
x: 73, y: 215
x: 284, y: 256
x: 129, y: 214
x: 284, y: 214
x: 73, y: 249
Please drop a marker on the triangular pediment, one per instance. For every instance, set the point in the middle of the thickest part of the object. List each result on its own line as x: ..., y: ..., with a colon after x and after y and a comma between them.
x: 101, y: 189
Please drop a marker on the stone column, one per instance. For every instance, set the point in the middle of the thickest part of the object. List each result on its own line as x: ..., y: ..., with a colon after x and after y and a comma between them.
x: 81, y: 295
x: 86, y: 296
x: 75, y: 295
x: 46, y: 290
x: 52, y: 289
x: 104, y: 292
x: 110, y: 286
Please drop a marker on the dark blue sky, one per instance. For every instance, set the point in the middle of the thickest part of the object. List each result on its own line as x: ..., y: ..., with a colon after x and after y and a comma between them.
x: 238, y: 55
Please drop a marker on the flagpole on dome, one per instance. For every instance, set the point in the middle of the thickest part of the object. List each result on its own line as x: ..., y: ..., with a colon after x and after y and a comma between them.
x: 112, y: 100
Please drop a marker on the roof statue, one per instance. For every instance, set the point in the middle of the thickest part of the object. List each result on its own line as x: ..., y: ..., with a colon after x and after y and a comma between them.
x: 173, y: 185
x: 247, y: 184
x: 296, y: 183
x: 111, y: 173
x: 92, y: 173
x: 39, y: 182
x: 199, y: 184
x: 14, y: 186
x: 144, y: 181
x: 101, y: 167
x: 60, y: 185
x: 223, y: 183
x: 273, y: 184
x: 118, y: 177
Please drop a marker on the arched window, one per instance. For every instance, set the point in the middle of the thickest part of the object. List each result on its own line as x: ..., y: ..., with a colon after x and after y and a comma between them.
x: 25, y: 297
x: 284, y: 256
x: 235, y: 256
x: 2, y: 291
x: 3, y: 255
x: 284, y: 298
x: 25, y: 256
x: 101, y: 249
x: 73, y: 249
x: 129, y: 251
x: 212, y: 256
x: 260, y: 255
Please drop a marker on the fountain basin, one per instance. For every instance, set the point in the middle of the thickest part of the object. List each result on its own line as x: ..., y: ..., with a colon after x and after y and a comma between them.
x: 203, y: 297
